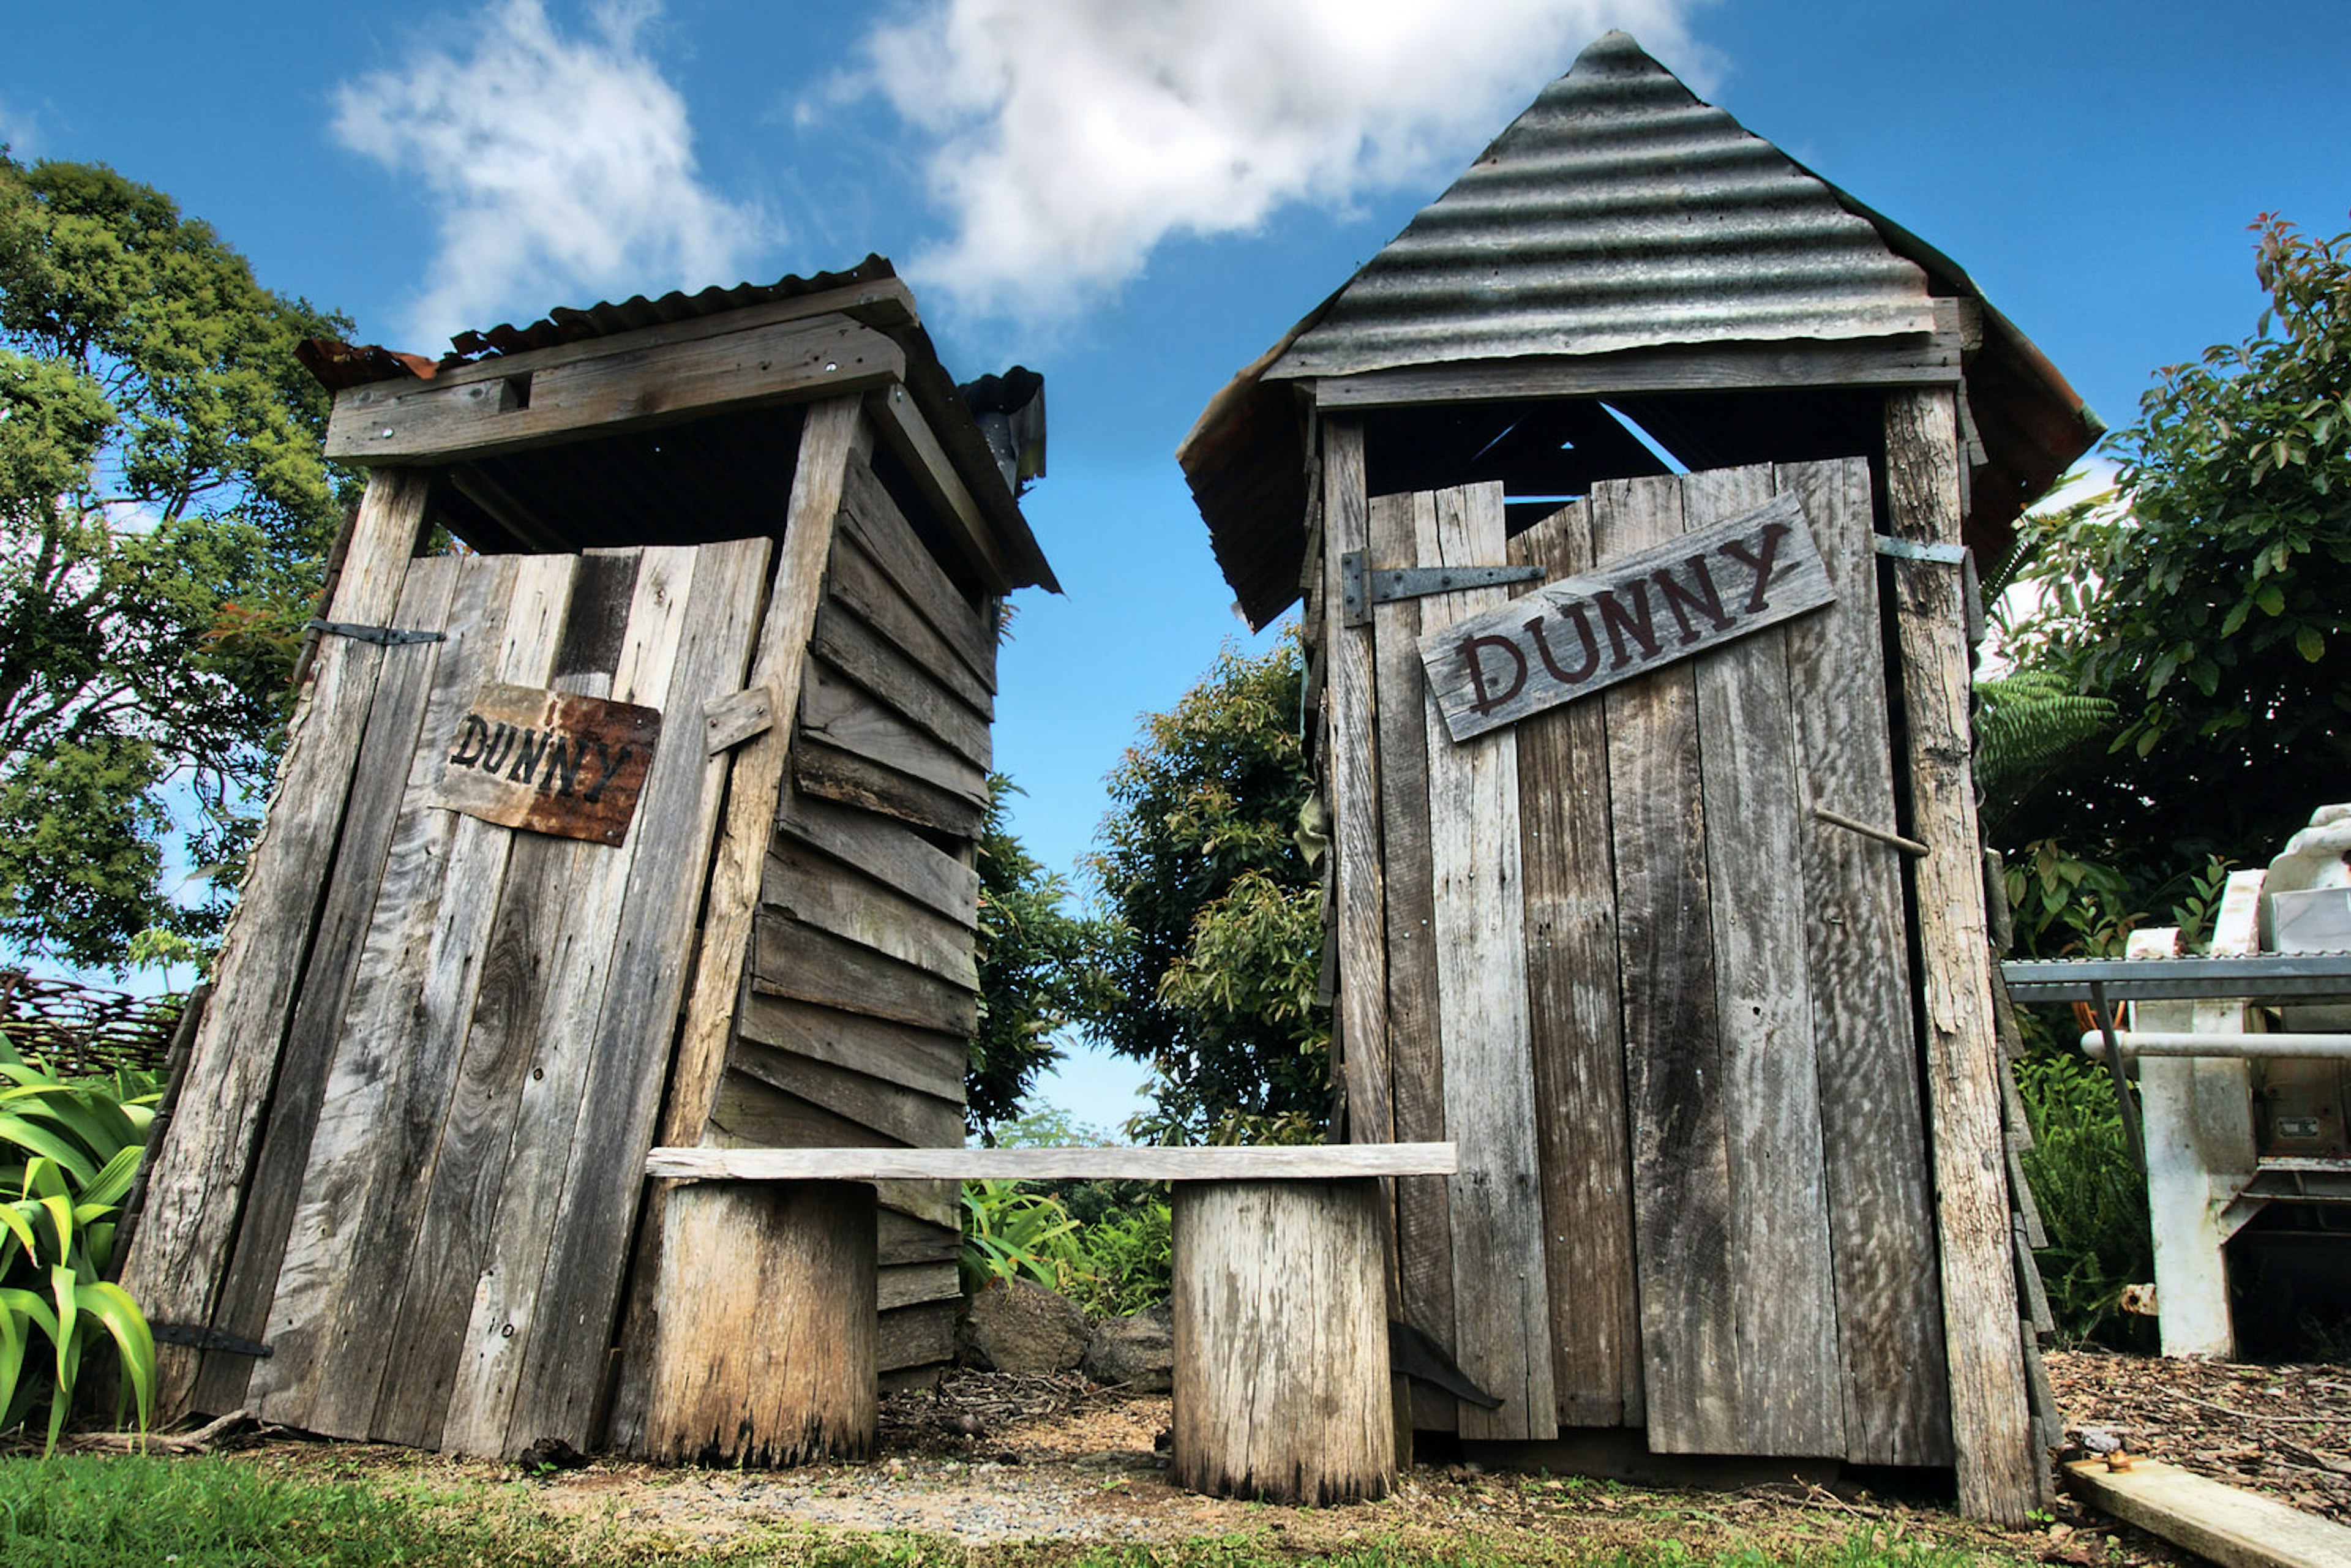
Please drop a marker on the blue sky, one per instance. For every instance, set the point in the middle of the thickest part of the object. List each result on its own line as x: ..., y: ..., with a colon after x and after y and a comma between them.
x: 1137, y: 198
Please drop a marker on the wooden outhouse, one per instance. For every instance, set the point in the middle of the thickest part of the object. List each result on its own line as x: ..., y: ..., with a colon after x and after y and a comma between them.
x: 643, y: 814
x: 1629, y: 493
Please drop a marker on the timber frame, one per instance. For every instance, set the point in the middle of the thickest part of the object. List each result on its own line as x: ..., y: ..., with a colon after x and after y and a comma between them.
x: 768, y: 512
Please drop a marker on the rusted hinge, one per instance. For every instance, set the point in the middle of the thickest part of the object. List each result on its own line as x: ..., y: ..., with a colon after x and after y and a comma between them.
x: 199, y: 1336
x: 388, y: 636
x: 1362, y: 585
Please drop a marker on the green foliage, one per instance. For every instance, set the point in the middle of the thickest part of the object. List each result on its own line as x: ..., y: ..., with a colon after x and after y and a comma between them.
x: 2091, y: 1197
x: 1033, y: 975
x: 2211, y: 606
x: 71, y: 1149
x: 1012, y: 1233
x: 2026, y: 724
x: 1213, y: 945
x: 1129, y: 1260
x: 163, y: 506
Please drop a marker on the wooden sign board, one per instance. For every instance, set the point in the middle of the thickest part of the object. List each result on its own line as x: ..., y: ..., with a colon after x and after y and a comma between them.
x: 550, y: 762
x: 1578, y: 635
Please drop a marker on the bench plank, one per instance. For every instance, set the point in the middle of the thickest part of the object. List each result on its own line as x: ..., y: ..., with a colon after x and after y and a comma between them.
x: 1298, y: 1163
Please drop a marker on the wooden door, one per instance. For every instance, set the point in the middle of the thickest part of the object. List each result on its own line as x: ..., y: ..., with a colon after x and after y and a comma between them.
x: 1665, y: 1008
x: 440, y: 1209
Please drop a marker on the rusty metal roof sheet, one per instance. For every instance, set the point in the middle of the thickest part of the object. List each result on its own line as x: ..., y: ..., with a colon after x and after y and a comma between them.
x: 1619, y: 213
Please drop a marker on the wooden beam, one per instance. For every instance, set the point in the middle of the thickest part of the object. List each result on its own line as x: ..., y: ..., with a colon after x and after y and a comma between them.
x: 1299, y: 1162
x: 522, y: 406
x: 2234, y: 1528
x: 909, y: 434
x: 1999, y: 1472
x: 1920, y: 359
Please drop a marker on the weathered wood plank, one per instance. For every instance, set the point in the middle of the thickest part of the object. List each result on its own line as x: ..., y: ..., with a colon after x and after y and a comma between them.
x: 384, y: 1099
x: 819, y: 891
x: 2234, y: 1528
x: 915, y: 1336
x: 1577, y: 1032
x: 886, y: 851
x: 910, y: 435
x: 195, y: 1196
x: 1990, y: 1429
x: 829, y: 773
x: 792, y: 959
x: 926, y: 1063
x: 1416, y: 1048
x: 905, y: 1240
x: 430, y: 421
x: 872, y: 520
x: 1691, y: 1367
x: 913, y: 1284
x: 369, y: 856
x: 849, y: 645
x: 868, y: 593
x: 1295, y: 1162
x: 1873, y: 1135
x: 1792, y: 1379
x: 629, y: 1058
x: 894, y: 1113
x: 837, y: 711
x: 478, y: 962
x: 503, y: 1327
x: 1500, y: 1292
x: 1350, y: 780
x: 1922, y: 360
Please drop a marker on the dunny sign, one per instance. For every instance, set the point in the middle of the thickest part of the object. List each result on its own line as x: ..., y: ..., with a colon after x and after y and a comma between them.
x: 550, y: 762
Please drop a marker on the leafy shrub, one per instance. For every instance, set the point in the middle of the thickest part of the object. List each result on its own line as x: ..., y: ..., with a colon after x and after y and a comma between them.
x: 2093, y: 1199
x: 1129, y: 1261
x: 72, y: 1148
x: 1012, y: 1234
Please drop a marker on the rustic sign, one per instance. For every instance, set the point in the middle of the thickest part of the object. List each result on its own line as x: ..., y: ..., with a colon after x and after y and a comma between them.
x: 550, y: 762
x: 1578, y: 635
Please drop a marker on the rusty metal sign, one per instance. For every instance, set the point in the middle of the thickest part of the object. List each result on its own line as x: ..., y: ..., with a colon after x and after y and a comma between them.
x: 1578, y: 635
x: 550, y: 762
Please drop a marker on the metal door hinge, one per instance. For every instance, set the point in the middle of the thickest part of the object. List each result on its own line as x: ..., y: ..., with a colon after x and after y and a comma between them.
x: 197, y: 1336
x: 388, y: 636
x: 1362, y: 585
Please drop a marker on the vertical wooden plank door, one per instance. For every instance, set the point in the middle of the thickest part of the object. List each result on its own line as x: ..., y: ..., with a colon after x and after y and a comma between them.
x: 1665, y: 1008
x: 436, y: 1251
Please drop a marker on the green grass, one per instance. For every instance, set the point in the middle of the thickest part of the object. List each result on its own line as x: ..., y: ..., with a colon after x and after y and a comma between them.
x: 83, y: 1512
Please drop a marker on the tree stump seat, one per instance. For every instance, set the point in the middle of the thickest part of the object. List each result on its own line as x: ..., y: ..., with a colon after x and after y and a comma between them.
x: 1281, y: 1381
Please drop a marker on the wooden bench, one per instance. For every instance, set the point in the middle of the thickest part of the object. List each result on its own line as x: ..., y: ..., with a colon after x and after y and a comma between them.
x: 765, y: 1352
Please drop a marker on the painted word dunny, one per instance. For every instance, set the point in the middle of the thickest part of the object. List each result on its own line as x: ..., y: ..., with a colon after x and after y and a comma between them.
x: 550, y: 762
x: 1582, y: 635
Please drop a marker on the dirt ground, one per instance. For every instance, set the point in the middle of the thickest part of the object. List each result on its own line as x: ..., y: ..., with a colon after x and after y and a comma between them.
x: 991, y: 1458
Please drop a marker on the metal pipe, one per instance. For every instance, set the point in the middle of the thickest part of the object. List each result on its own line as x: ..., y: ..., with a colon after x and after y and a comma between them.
x: 2160, y: 1042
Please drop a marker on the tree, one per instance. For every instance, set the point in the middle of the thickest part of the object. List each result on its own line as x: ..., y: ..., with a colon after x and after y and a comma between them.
x: 2213, y: 604
x: 1032, y: 971
x: 1213, y: 944
x: 164, y: 509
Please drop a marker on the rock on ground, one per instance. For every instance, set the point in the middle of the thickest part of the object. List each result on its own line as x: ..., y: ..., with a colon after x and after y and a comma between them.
x: 1137, y: 1352
x: 1016, y: 1326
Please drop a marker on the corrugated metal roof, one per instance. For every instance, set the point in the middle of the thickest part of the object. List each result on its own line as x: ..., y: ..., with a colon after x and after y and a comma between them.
x: 1618, y: 212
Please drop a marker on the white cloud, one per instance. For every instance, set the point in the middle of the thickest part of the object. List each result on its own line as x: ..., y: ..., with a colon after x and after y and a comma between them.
x: 1070, y: 137
x: 17, y: 132
x: 561, y: 168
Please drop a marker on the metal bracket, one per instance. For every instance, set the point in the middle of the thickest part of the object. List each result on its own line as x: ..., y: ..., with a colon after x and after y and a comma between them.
x: 388, y: 636
x: 203, y: 1337
x: 1959, y: 556
x: 1362, y: 585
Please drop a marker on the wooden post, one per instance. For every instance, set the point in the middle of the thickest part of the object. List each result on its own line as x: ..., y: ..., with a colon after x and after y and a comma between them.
x: 765, y: 1352
x: 1997, y: 1469
x: 1281, y: 1343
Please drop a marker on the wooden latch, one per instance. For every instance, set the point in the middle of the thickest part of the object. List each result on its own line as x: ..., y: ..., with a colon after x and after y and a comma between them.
x: 1362, y: 585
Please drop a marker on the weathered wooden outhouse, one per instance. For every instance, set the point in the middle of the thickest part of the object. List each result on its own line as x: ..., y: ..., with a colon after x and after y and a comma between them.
x: 1629, y: 492
x: 646, y: 814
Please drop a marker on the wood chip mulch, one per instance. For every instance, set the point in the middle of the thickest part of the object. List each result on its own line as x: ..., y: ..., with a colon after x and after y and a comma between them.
x: 2283, y: 1430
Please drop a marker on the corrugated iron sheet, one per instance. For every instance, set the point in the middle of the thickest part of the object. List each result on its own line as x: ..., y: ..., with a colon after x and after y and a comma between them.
x: 1618, y: 212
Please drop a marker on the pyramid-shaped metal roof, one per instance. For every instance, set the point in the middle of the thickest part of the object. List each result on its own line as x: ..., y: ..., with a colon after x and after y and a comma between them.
x: 1618, y: 212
